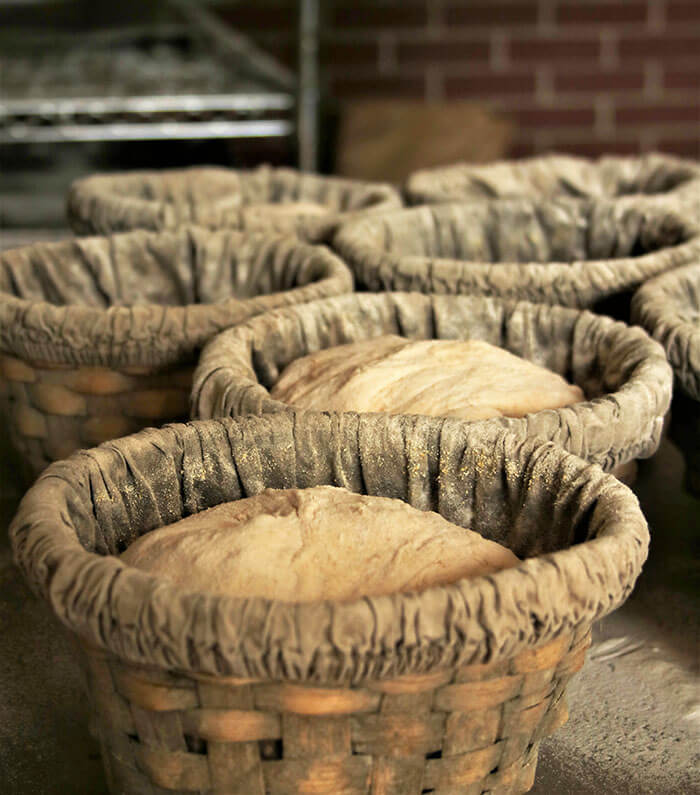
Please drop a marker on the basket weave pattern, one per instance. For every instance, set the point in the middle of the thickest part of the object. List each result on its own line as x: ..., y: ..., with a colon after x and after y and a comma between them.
x: 98, y: 337
x: 471, y: 730
x: 55, y: 409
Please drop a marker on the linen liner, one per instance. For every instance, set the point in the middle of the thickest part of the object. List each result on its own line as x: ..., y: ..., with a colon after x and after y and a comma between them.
x: 214, y: 198
x: 668, y: 307
x: 623, y: 373
x: 561, y: 251
x: 589, y: 550
x: 150, y: 299
x: 560, y: 175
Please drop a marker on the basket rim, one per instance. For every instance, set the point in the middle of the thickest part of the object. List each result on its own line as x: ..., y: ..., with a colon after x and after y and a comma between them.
x: 655, y: 307
x: 114, y: 606
x: 98, y: 190
x: 579, y: 283
x: 423, y: 185
x: 650, y: 381
x: 123, y: 336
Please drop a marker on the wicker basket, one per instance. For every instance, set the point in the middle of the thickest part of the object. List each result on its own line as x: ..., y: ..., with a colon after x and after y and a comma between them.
x: 623, y: 373
x: 560, y: 175
x: 449, y: 690
x: 98, y: 337
x: 221, y: 198
x: 669, y: 309
x: 564, y: 251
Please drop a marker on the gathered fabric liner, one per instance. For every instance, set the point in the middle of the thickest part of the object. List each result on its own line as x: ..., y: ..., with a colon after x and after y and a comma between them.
x: 560, y: 175
x: 668, y: 307
x: 562, y: 251
x: 217, y: 198
x: 581, y: 532
x: 150, y: 299
x: 623, y: 373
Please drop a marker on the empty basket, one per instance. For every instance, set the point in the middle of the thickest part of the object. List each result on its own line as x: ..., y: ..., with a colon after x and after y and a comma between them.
x: 564, y: 251
x: 219, y: 197
x: 669, y: 309
x: 560, y: 175
x: 447, y: 690
x: 98, y: 336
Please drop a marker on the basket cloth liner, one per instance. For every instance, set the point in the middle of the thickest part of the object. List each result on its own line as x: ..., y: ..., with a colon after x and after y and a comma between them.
x: 560, y: 175
x: 562, y: 251
x: 623, y: 373
x: 214, y: 197
x: 538, y: 500
x: 151, y: 299
x: 669, y: 308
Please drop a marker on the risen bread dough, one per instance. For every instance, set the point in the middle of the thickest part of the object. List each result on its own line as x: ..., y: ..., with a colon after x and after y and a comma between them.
x: 448, y: 378
x: 322, y: 543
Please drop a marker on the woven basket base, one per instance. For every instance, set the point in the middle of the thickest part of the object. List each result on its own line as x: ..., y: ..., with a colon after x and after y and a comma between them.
x: 53, y: 410
x: 470, y: 730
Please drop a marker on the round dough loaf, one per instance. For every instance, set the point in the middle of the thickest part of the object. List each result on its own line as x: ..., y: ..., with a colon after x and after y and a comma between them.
x: 307, y: 545
x: 470, y: 379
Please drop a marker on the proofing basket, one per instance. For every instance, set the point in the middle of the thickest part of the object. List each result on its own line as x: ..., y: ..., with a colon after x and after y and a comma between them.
x: 669, y: 309
x: 218, y: 198
x: 98, y: 337
x: 448, y: 690
x: 564, y: 251
x: 652, y: 175
x: 622, y: 372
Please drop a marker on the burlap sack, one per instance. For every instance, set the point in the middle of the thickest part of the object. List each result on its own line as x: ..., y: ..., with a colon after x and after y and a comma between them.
x: 623, y: 373
x: 98, y: 336
x: 668, y: 307
x: 559, y: 175
x: 581, y: 533
x: 221, y: 198
x: 563, y: 251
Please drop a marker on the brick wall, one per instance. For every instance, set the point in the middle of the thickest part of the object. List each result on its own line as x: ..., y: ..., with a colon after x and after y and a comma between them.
x: 583, y: 76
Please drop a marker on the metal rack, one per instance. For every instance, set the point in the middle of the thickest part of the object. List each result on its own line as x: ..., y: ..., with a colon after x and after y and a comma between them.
x: 170, y: 70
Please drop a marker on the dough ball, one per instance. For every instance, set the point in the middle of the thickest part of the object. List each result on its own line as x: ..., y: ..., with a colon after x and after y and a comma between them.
x: 470, y: 380
x: 322, y: 543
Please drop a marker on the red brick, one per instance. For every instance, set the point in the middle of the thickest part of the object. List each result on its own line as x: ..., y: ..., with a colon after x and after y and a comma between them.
x: 682, y: 78
x: 283, y: 48
x: 345, y: 87
x: 591, y: 148
x: 257, y: 18
x: 541, y: 118
x: 662, y: 46
x: 597, y: 13
x: 595, y: 82
x: 429, y: 52
x: 522, y: 147
x: 503, y: 14
x: 683, y: 11
x: 488, y: 85
x: 658, y: 114
x: 344, y: 53
x: 372, y: 15
x: 550, y: 49
x: 683, y: 147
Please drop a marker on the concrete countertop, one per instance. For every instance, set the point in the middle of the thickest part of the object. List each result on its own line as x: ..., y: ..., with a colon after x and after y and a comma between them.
x: 635, y: 706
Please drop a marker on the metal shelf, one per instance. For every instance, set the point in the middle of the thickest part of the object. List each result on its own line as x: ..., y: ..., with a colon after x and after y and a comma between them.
x: 104, y: 84
x: 155, y: 131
